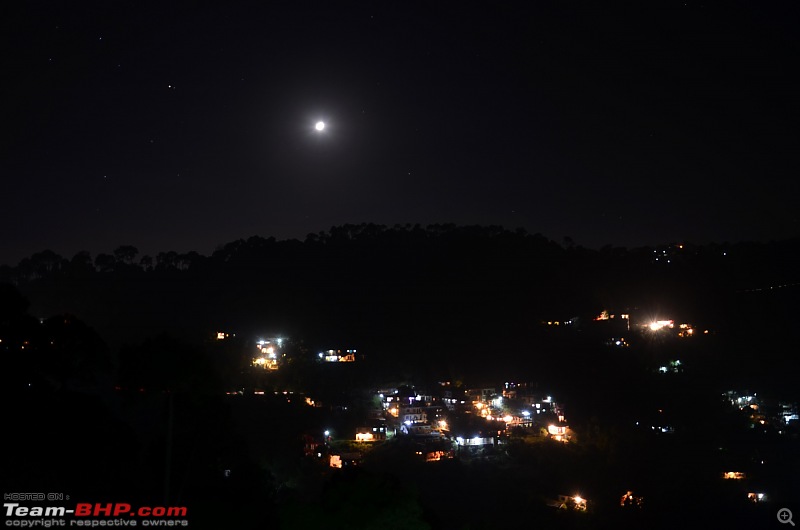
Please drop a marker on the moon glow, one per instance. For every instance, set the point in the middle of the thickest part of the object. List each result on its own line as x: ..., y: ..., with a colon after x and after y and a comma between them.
x: 320, y: 125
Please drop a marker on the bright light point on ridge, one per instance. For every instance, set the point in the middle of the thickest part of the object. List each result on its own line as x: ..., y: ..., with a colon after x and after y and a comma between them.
x: 320, y: 125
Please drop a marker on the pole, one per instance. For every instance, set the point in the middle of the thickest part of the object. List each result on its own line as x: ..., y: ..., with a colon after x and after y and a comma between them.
x: 168, y: 449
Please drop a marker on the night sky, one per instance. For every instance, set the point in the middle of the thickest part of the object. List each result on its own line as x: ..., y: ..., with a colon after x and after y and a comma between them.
x: 186, y: 125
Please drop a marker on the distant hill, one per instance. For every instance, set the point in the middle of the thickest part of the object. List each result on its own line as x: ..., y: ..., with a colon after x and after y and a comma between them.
x: 442, y: 292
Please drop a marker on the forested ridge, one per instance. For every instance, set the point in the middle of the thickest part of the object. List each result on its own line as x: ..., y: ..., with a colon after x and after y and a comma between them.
x: 428, y: 294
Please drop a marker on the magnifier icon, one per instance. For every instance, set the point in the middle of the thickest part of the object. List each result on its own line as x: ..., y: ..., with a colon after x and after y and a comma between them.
x: 785, y: 516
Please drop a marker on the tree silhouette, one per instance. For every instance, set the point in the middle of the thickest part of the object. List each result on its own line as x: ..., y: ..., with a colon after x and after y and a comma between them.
x: 126, y: 254
x: 105, y: 262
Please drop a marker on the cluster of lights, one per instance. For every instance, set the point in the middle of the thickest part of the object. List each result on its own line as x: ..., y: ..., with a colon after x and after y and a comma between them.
x: 661, y: 324
x: 268, y: 357
x: 757, y: 497
x: 475, y: 440
x: 507, y: 418
x: 580, y: 502
x: 629, y: 499
x: 558, y: 432
x: 733, y: 475
x: 337, y: 356
x: 673, y: 366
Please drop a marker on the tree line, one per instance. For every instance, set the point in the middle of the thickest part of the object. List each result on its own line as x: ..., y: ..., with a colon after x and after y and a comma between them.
x: 413, y: 292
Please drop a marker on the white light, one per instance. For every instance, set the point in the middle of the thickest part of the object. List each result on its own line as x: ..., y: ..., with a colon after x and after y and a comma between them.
x: 320, y: 125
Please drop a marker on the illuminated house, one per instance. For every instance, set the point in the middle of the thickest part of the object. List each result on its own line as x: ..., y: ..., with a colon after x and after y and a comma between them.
x: 411, y: 415
x: 267, y: 357
x: 414, y: 421
x: 311, y: 445
x: 686, y: 330
x: 558, y: 432
x: 733, y: 475
x: 539, y: 404
x: 671, y: 367
x: 631, y: 500
x: 609, y: 322
x: 569, y: 502
x: 363, y: 434
x: 756, y: 496
x: 658, y: 325
x: 371, y: 434
x: 788, y: 412
x: 436, y: 456
x: 419, y: 429
x: 474, y: 441
x: 482, y: 395
x: 344, y: 460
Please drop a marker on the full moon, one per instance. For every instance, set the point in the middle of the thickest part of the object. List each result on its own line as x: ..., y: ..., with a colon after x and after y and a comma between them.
x: 320, y: 125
